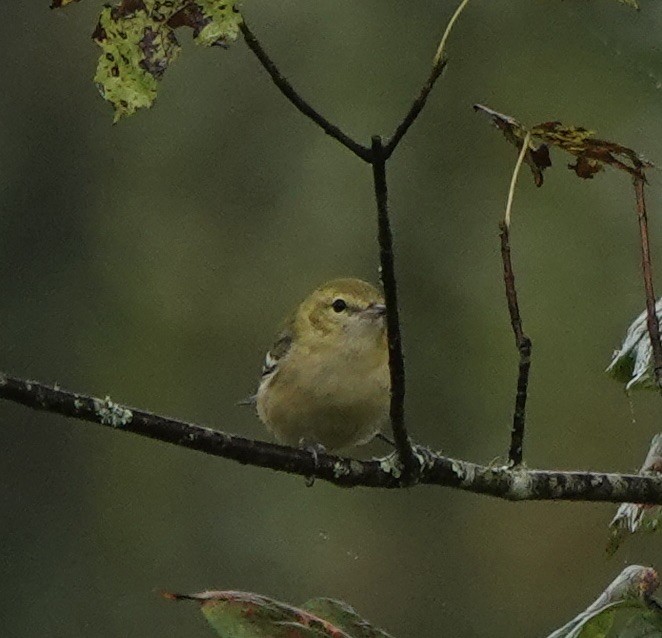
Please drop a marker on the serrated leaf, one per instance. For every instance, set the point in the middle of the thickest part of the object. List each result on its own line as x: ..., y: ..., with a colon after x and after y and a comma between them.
x: 214, y: 23
x: 239, y: 614
x: 592, y: 154
x: 632, y: 363
x: 138, y: 46
x: 344, y: 617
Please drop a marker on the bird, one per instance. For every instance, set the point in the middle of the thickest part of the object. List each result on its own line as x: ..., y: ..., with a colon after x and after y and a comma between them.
x: 325, y: 382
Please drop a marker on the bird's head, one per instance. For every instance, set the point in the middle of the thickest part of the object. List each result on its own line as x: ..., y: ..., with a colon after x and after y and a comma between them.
x: 343, y: 309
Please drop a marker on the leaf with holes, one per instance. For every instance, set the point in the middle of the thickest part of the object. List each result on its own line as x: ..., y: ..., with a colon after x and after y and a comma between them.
x: 592, y: 153
x: 138, y: 43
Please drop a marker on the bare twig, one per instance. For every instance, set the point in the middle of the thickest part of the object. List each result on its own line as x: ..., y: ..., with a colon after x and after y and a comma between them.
x: 293, y: 96
x: 415, y: 109
x: 396, y: 359
x: 438, y: 64
x: 651, y: 316
x: 514, y: 485
x: 522, y: 342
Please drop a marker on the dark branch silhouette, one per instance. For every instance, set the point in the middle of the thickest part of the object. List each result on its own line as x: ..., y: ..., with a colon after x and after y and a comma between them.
x: 396, y: 358
x: 523, y: 344
x: 416, y: 108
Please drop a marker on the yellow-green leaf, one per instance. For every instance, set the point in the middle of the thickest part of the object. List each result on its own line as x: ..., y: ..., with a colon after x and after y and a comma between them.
x: 246, y: 615
x: 138, y: 46
x: 344, y: 617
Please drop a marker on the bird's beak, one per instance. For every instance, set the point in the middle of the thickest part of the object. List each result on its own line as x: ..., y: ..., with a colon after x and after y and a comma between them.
x: 375, y: 310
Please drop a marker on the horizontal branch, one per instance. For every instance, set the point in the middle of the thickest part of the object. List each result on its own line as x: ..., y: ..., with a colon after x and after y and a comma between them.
x: 515, y: 485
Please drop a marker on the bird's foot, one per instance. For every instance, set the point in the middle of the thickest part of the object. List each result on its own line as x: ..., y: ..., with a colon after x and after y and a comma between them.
x: 315, y: 449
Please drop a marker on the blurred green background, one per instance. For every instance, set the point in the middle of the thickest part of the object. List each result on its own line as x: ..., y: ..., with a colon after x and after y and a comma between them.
x: 153, y: 260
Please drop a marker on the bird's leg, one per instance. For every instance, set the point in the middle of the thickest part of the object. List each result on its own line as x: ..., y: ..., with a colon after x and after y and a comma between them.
x: 315, y: 449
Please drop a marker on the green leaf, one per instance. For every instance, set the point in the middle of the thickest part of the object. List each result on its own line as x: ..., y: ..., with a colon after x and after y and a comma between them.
x: 595, y: 624
x: 138, y: 47
x: 138, y: 43
x: 344, y: 617
x: 646, y: 624
x: 631, y: 589
x: 221, y: 23
x: 236, y: 614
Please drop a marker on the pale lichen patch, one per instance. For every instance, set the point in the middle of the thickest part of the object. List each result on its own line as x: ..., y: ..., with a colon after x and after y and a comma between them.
x: 3, y: 379
x: 520, y: 486
x: 111, y: 413
x: 391, y: 465
x: 340, y: 469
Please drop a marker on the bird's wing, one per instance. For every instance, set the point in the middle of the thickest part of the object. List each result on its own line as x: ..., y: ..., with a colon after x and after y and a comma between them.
x: 270, y: 366
x: 280, y: 348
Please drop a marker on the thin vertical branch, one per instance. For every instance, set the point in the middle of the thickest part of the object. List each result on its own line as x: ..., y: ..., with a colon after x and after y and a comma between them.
x: 651, y: 316
x: 396, y: 358
x: 522, y: 342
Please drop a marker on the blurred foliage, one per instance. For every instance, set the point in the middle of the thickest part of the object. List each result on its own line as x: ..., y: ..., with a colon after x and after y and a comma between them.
x: 631, y: 592
x: 592, y: 154
x: 247, y: 615
x: 152, y: 262
x: 631, y: 518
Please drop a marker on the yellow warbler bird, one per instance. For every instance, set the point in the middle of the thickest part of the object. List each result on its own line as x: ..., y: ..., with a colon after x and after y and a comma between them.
x: 326, y: 379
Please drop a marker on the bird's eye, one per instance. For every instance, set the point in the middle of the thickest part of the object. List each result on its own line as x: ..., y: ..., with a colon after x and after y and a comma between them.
x: 339, y: 305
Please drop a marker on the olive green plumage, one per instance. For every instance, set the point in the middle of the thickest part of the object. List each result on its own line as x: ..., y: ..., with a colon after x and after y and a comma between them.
x: 326, y: 379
